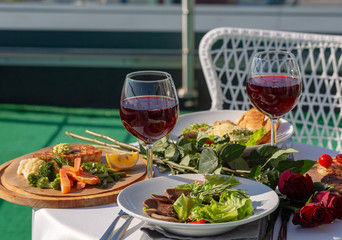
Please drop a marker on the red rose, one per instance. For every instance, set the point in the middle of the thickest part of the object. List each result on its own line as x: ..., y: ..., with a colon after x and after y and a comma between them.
x: 330, y: 200
x: 295, y: 186
x: 311, y: 215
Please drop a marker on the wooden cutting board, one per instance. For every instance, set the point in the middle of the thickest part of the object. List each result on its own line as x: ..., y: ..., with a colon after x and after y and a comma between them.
x: 14, y: 188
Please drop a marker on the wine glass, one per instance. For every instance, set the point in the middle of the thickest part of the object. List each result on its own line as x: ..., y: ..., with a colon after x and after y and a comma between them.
x: 274, y: 85
x: 149, y: 108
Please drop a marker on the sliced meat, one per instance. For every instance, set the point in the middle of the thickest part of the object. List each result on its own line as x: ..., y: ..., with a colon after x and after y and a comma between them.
x: 162, y: 198
x: 163, y: 208
x: 175, y: 193
x: 164, y: 218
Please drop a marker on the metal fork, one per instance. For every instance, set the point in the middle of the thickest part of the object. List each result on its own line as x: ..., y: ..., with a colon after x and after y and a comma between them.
x: 112, y: 226
x: 121, y: 231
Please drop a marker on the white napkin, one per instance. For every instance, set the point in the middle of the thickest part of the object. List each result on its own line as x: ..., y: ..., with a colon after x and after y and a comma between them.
x: 254, y: 230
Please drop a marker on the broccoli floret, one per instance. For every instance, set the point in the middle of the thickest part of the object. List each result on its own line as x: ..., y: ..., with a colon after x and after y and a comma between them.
x: 33, y: 179
x: 56, y: 184
x: 56, y: 168
x: 47, y: 170
x: 44, y: 182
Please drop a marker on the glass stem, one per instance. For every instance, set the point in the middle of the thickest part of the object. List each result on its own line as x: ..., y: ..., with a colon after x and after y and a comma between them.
x: 274, y: 131
x: 149, y: 166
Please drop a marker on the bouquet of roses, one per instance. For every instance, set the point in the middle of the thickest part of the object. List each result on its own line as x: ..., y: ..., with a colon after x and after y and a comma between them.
x: 312, y: 204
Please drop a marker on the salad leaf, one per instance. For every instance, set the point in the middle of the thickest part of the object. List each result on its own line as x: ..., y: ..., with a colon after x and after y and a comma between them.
x: 195, y: 126
x: 214, y: 201
x: 202, y: 137
x: 242, y: 203
x: 215, y: 212
x: 212, y: 185
x: 255, y: 137
x: 183, y: 206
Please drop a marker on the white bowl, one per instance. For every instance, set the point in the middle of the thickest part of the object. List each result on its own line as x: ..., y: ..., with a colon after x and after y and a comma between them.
x: 264, y: 199
x: 284, y: 132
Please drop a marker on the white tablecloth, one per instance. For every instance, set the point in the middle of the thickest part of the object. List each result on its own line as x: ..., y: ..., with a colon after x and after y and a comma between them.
x: 91, y: 223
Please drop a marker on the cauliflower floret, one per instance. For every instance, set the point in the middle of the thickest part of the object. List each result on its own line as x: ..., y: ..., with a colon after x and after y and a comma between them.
x: 30, y: 165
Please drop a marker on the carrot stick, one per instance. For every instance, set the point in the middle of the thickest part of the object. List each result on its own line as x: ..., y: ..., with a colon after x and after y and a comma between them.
x: 77, y: 166
x: 80, y: 185
x: 65, y: 181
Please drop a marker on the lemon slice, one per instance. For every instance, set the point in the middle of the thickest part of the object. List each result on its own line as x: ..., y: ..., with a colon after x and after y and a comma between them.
x: 122, y: 161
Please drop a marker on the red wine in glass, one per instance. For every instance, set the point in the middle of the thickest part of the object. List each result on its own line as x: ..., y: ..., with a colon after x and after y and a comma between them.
x: 149, y: 108
x: 274, y: 84
x: 274, y: 95
x: 149, y: 118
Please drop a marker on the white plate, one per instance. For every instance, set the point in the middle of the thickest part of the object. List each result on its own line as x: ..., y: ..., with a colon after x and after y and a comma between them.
x: 284, y: 132
x: 264, y: 199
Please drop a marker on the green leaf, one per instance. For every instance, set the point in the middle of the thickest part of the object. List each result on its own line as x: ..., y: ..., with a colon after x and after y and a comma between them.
x: 221, y: 140
x: 160, y: 145
x: 171, y: 153
x: 299, y: 166
x: 181, y: 141
x: 208, y: 161
x: 185, y: 160
x: 260, y: 155
x: 182, y: 206
x: 202, y: 137
x: 269, y: 156
x: 239, y: 163
x: 219, y: 147
x: 255, y: 137
x: 319, y: 186
x: 231, y: 152
x: 256, y: 171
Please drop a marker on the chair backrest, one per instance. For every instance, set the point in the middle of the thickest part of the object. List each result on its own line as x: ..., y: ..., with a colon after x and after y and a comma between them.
x: 225, y: 54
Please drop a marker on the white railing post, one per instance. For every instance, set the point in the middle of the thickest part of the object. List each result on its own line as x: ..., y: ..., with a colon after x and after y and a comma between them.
x: 188, y: 91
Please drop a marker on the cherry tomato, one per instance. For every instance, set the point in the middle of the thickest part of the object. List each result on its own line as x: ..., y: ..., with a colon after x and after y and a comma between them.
x: 202, y: 221
x: 208, y: 142
x: 325, y: 160
x: 339, y: 158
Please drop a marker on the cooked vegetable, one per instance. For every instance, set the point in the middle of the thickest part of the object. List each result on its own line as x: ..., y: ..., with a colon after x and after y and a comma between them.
x: 77, y: 166
x: 103, y: 172
x: 56, y: 184
x: 47, y: 176
x: 43, y: 182
x: 29, y: 165
x: 33, y: 179
x: 60, y: 161
x: 62, y: 148
x: 65, y: 181
x: 85, y: 177
x: 47, y: 170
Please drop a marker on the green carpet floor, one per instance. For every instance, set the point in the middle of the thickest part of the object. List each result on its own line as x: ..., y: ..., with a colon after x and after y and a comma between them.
x: 25, y: 129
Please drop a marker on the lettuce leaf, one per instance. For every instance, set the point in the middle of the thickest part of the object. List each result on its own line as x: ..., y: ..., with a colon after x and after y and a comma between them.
x: 215, y: 212
x: 255, y: 137
x: 233, y: 204
x: 243, y: 204
x: 183, y: 206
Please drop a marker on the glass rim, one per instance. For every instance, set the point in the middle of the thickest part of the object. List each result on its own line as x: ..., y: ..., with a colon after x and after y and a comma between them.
x: 166, y: 75
x: 286, y: 53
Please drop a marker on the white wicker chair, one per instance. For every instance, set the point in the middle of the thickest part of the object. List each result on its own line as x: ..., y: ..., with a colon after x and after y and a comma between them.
x: 226, y: 52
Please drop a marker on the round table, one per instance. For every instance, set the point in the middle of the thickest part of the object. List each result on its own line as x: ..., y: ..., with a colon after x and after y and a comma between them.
x: 92, y: 222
